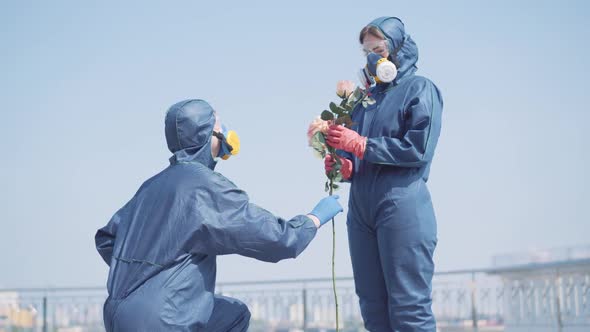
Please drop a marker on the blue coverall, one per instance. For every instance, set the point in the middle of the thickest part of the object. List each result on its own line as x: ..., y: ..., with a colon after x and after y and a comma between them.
x: 391, y: 221
x: 162, y: 245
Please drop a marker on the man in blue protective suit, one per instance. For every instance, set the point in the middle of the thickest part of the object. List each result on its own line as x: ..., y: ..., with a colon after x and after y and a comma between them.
x: 386, y: 155
x: 162, y: 245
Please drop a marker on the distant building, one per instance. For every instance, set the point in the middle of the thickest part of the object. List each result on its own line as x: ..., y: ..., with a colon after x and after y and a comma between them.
x: 12, y: 315
x: 534, y: 256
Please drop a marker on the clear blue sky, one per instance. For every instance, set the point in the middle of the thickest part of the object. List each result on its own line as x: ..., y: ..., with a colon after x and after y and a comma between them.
x: 84, y: 87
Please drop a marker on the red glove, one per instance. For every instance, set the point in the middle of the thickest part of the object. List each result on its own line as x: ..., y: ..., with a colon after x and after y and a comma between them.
x: 347, y: 140
x: 345, y: 170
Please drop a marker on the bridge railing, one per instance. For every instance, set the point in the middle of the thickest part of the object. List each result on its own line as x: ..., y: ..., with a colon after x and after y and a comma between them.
x: 466, y: 300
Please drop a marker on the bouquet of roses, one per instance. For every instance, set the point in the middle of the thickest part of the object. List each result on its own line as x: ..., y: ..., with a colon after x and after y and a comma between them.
x: 340, y: 114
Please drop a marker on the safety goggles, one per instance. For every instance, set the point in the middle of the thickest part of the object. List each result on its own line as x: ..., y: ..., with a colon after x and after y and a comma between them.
x: 378, y: 47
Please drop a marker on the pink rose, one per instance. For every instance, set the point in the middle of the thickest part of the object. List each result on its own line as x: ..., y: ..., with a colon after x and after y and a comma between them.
x: 344, y: 88
x: 317, y: 125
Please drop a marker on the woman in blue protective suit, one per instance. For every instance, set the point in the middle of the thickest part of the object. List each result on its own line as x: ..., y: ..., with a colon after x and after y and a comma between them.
x: 386, y: 155
x: 162, y: 245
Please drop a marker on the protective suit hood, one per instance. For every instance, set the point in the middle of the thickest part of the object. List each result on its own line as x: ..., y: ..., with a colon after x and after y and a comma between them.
x: 407, y: 56
x: 189, y: 126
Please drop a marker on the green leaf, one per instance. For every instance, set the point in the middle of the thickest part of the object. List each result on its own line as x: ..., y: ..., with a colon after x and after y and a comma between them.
x: 333, y: 107
x: 335, y: 186
x: 332, y: 173
x: 338, y: 177
x: 317, y: 136
x: 357, y: 93
x: 320, y: 137
x: 327, y: 115
x: 336, y: 109
x: 318, y: 143
x: 327, y: 186
x: 335, y: 171
x: 320, y: 151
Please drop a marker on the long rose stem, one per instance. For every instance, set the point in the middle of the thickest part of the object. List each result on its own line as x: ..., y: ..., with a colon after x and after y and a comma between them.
x: 334, y: 259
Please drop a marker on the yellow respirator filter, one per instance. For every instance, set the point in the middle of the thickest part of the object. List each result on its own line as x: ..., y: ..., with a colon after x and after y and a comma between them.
x: 232, y: 140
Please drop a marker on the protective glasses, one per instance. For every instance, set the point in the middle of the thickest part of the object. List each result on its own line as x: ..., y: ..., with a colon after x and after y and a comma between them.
x: 378, y: 46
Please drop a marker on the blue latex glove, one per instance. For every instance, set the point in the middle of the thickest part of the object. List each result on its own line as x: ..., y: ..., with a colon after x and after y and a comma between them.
x: 327, y: 208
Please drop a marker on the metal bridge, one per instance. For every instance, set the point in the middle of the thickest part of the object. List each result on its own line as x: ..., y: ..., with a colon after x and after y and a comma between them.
x: 531, y: 297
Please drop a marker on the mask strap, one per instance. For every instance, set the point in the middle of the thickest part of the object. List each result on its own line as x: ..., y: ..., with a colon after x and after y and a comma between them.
x: 223, y: 140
